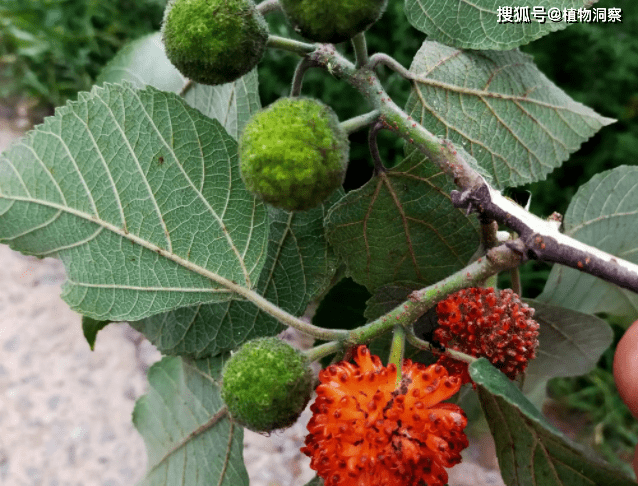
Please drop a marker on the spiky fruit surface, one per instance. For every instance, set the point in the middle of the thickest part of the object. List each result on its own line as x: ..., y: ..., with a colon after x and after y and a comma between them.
x: 481, y: 322
x: 214, y: 41
x: 332, y: 20
x: 294, y: 154
x: 266, y: 384
x: 367, y: 430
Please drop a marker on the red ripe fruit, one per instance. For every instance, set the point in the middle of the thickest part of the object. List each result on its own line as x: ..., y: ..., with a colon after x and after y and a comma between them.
x: 484, y: 323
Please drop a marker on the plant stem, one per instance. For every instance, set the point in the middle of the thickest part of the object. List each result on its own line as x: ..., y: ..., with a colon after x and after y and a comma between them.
x: 515, y: 275
x: 297, y: 79
x: 397, y: 350
x: 420, y: 301
x: 301, y: 48
x: 187, y: 86
x: 381, y: 58
x: 356, y: 123
x: 360, y: 50
x: 268, y: 6
x: 323, y: 350
x: 421, y: 344
x: 379, y: 168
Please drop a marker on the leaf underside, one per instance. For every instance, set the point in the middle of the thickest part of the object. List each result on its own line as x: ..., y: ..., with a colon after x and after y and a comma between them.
x: 189, y: 437
x: 604, y: 214
x: 299, y: 265
x: 143, y: 62
x: 401, y: 226
x: 516, y: 123
x: 475, y: 24
x: 140, y: 196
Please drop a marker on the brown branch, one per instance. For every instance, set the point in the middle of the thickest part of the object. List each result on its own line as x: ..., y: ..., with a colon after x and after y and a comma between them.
x: 541, y: 240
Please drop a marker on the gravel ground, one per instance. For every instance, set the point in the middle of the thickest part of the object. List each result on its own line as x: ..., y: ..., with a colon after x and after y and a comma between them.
x: 65, y: 411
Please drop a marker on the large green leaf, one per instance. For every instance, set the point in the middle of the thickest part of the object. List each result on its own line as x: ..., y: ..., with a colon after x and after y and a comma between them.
x: 190, y: 439
x: 143, y: 62
x: 140, y: 196
x: 570, y: 342
x: 298, y: 266
x: 401, y: 225
x: 604, y: 214
x: 530, y: 451
x: 475, y: 25
x: 516, y: 123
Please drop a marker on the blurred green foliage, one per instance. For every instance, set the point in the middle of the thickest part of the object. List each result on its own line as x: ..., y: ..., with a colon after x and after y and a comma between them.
x: 51, y: 49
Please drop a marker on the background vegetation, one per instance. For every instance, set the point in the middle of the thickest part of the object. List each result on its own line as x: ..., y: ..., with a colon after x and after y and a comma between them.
x: 51, y: 49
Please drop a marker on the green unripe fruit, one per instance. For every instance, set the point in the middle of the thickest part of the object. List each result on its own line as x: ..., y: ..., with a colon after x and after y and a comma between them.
x: 267, y: 384
x: 294, y: 154
x: 332, y: 20
x: 214, y: 41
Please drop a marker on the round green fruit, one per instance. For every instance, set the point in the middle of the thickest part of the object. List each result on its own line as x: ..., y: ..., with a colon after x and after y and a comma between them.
x: 266, y: 384
x: 294, y: 154
x: 214, y: 41
x: 332, y: 20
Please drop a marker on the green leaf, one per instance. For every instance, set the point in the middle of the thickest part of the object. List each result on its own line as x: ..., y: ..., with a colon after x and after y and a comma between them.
x: 604, y: 214
x: 189, y: 437
x: 531, y: 451
x: 475, y: 25
x: 143, y: 62
x: 516, y: 123
x: 299, y: 265
x: 401, y: 226
x: 316, y: 481
x: 570, y: 343
x: 140, y: 196
x: 90, y: 328
x: 387, y: 298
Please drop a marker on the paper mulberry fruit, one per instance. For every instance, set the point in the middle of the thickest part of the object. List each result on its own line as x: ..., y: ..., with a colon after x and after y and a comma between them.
x: 481, y: 322
x: 214, y: 41
x: 367, y: 430
x: 266, y: 384
x: 294, y: 153
x: 332, y: 20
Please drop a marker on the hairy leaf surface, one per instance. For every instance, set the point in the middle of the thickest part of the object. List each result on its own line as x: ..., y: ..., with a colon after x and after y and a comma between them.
x: 570, y: 343
x: 190, y: 439
x: 475, y: 24
x: 401, y: 225
x: 140, y: 196
x: 604, y: 214
x: 298, y: 266
x: 514, y: 121
x: 143, y: 62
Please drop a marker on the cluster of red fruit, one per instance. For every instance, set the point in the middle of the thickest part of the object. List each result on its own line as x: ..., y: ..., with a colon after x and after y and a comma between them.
x: 367, y: 430
x: 481, y: 322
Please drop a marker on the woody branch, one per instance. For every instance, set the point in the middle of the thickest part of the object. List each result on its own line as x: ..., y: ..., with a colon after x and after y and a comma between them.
x: 539, y: 239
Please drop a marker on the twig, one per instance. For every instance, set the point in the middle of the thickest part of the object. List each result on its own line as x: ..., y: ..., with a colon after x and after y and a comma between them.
x: 268, y: 6
x: 301, y: 48
x: 297, y: 79
x: 541, y: 240
x: 356, y: 123
x: 381, y: 58
x: 379, y: 168
x: 360, y: 50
